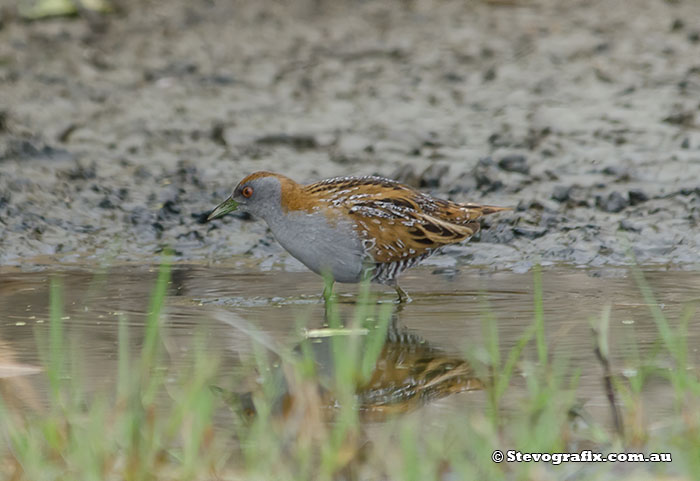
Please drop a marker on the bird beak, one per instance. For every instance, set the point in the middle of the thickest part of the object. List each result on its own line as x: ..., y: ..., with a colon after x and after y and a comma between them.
x: 229, y: 205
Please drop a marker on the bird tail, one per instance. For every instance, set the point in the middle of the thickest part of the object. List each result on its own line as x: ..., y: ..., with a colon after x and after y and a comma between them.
x: 486, y: 209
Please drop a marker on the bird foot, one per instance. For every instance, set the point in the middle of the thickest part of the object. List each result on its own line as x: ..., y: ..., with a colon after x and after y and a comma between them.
x: 403, y: 298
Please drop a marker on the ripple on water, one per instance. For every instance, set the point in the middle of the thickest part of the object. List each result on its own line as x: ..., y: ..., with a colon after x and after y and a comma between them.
x: 449, y: 314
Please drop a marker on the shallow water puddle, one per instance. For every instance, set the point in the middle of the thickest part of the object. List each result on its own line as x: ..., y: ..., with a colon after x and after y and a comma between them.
x: 445, y: 318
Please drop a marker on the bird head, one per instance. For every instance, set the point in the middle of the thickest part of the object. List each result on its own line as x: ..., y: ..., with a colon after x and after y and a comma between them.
x: 259, y: 194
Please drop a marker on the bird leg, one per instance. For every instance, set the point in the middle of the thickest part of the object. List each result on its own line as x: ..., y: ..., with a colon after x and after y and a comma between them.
x: 329, y: 307
x: 327, y: 291
x: 395, y: 325
x: 403, y: 295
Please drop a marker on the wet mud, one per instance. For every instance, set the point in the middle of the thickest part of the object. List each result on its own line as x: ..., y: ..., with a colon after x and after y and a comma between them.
x: 118, y: 133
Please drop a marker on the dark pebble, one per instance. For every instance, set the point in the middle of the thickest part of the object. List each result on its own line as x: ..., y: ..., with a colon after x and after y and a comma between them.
x: 499, y: 140
x: 217, y: 134
x: 106, y: 204
x: 218, y: 79
x: 201, y: 217
x: 498, y: 234
x: 432, y: 140
x: 81, y: 172
x: 453, y: 77
x: 684, y: 118
x: 677, y: 25
x: 406, y: 174
x: 486, y: 181
x: 602, y: 47
x: 535, y: 137
x: 529, y: 233
x: 486, y: 161
x: 187, y: 174
x: 524, y: 205
x: 433, y: 175
x: 299, y: 142
x: 464, y: 183
x: 26, y: 149
x: 551, y: 175
x: 628, y: 226
x: 615, y: 202
x: 604, y: 250
x: 85, y: 228
x: 689, y: 191
x: 192, y: 235
x: 175, y: 69
x: 37, y: 233
x: 169, y: 208
x: 561, y: 193
x: 142, y: 172
x: 551, y: 220
x: 64, y: 135
x: 637, y: 196
x: 140, y: 216
x: 614, y: 170
x: 514, y: 163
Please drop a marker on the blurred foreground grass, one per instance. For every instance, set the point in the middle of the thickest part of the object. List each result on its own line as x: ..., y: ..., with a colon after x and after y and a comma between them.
x: 40, y: 9
x: 158, y: 424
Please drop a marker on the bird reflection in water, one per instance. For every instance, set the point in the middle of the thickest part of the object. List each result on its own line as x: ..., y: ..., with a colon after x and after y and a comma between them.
x: 408, y: 374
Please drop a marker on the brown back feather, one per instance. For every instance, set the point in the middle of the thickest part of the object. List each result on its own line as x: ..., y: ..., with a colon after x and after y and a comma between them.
x: 397, y: 222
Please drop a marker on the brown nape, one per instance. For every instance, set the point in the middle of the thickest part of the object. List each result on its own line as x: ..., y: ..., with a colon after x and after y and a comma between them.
x: 293, y: 196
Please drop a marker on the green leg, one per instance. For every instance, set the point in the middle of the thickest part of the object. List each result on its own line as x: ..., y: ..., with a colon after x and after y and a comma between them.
x: 328, y: 297
x: 327, y: 291
x: 396, y: 325
x: 403, y: 295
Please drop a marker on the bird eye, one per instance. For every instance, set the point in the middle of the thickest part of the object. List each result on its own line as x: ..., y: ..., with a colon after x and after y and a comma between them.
x: 247, y: 192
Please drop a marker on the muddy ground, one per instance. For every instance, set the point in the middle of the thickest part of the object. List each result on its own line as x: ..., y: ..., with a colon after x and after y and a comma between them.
x: 118, y: 133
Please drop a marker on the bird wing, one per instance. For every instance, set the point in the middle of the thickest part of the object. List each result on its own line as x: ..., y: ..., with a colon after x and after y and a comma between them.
x: 395, y: 221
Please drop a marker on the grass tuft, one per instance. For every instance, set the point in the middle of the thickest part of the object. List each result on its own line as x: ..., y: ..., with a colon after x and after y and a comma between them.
x: 303, y: 421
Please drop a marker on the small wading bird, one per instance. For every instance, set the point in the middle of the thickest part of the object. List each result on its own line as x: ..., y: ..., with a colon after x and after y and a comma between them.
x: 353, y: 228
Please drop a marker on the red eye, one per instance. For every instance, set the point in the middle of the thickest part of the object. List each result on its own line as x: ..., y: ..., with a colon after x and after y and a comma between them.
x: 247, y: 192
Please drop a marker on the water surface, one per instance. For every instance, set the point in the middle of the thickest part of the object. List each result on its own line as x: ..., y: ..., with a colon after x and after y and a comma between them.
x: 446, y: 318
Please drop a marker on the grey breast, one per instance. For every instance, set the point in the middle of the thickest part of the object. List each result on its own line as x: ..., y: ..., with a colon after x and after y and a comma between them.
x: 321, y: 246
